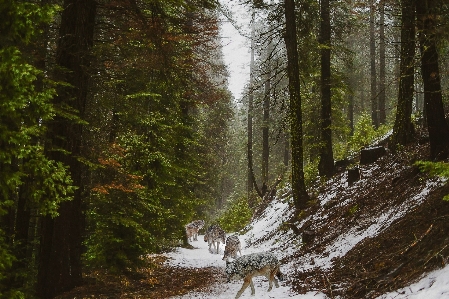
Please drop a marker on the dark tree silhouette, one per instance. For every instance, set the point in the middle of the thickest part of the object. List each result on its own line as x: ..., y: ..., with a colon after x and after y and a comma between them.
x: 403, y: 128
x: 59, y: 266
x: 436, y: 124
x: 326, y: 164
x: 372, y: 51
x: 382, y: 116
x: 300, y: 196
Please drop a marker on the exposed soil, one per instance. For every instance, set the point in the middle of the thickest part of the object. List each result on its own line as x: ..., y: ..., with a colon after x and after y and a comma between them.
x: 412, y: 245
x: 158, y: 281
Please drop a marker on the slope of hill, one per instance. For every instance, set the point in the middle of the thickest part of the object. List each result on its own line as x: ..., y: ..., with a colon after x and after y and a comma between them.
x: 362, y: 241
x: 386, y: 236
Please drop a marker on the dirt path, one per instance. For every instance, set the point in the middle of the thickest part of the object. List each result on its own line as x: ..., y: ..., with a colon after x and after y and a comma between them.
x: 161, y: 280
x: 182, y: 274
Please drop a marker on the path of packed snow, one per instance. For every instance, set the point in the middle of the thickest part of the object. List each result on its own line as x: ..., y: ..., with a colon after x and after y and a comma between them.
x: 200, y: 257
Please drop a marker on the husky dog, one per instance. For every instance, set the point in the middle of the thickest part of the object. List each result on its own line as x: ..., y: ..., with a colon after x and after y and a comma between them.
x: 251, y: 265
x: 199, y: 224
x: 190, y: 231
x: 232, y: 246
x: 193, y: 228
x: 214, y: 234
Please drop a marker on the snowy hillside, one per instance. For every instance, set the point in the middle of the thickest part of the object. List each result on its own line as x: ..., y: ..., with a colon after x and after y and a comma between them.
x: 342, y: 220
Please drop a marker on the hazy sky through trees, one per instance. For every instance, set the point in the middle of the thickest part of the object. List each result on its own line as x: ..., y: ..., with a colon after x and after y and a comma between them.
x: 236, y: 47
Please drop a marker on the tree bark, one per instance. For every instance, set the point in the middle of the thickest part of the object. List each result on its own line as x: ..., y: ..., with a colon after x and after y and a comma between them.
x: 266, y: 121
x: 300, y: 196
x: 403, y: 128
x: 59, y: 266
x: 372, y: 51
x: 21, y: 233
x: 436, y: 123
x: 250, y: 113
x: 326, y: 163
x: 286, y: 149
x: 382, y: 92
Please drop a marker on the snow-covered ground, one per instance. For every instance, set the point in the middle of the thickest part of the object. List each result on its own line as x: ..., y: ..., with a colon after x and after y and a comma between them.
x: 433, y: 285
x: 201, y: 257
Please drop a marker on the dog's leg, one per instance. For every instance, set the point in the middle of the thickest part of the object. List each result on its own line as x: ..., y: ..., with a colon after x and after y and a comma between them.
x: 247, y: 281
x: 270, y: 283
x: 273, y: 277
x: 253, y: 291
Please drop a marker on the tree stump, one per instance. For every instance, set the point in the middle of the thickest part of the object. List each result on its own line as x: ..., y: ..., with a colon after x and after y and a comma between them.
x: 371, y: 155
x: 308, y: 236
x: 341, y: 165
x: 353, y: 175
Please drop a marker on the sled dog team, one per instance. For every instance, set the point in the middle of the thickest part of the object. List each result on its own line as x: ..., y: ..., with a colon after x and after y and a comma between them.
x: 244, y: 267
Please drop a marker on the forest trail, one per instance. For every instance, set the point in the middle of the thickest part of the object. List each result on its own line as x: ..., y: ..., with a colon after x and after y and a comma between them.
x: 200, y: 257
x: 183, y: 274
x: 382, y: 234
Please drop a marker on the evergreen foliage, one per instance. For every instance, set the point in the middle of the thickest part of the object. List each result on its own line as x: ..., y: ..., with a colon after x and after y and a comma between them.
x: 365, y: 133
x: 157, y: 161
x: 236, y: 216
x: 24, y: 109
x: 150, y: 133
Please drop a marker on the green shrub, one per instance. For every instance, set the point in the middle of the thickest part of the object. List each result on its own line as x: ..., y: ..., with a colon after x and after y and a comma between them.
x: 236, y: 216
x: 311, y: 172
x: 365, y: 133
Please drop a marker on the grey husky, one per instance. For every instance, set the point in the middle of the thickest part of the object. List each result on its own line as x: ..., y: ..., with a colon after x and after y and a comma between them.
x: 193, y: 228
x: 256, y: 264
x: 232, y: 246
x: 214, y: 234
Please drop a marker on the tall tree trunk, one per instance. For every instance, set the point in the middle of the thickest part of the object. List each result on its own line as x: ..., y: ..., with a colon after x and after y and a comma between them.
x: 403, y: 128
x: 326, y: 163
x: 251, y: 176
x: 250, y: 111
x: 436, y: 123
x: 372, y: 51
x: 382, y: 92
x: 351, y: 113
x: 7, y: 220
x: 300, y: 196
x: 266, y: 117
x: 265, y: 131
x: 61, y: 240
x: 24, y: 235
x: 21, y: 244
x: 286, y: 149
x: 352, y: 81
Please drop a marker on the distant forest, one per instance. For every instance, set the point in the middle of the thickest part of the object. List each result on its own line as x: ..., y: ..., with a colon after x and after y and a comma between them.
x: 117, y: 127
